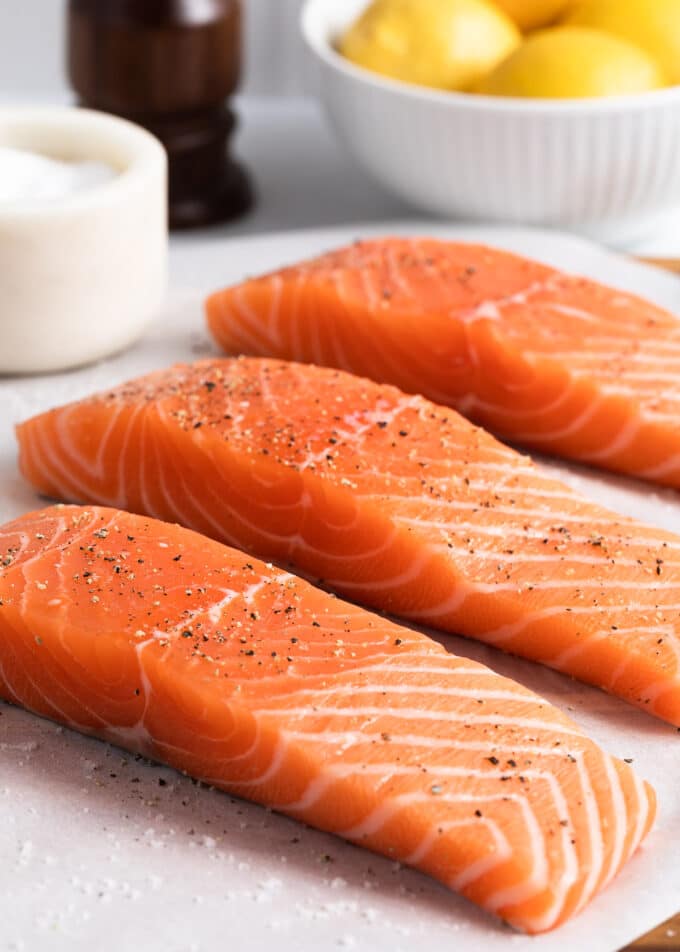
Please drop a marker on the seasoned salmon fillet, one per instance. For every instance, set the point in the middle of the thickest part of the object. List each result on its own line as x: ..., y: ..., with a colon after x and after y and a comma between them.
x: 391, y: 500
x: 546, y: 360
x: 174, y: 646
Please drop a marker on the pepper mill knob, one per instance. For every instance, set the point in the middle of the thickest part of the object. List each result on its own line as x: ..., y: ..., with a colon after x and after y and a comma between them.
x: 168, y: 65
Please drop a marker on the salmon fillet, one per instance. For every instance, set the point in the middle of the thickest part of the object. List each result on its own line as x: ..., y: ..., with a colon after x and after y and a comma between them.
x: 544, y: 359
x: 176, y: 647
x: 389, y: 499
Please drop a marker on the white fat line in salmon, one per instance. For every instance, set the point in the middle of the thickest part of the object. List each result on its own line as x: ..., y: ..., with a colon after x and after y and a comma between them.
x: 573, y: 522
x: 425, y: 715
x: 651, y: 352
x: 618, y: 442
x: 386, y: 690
x: 663, y: 469
x: 353, y: 738
x: 651, y: 691
x: 564, y: 557
x: 497, y: 635
x: 469, y: 402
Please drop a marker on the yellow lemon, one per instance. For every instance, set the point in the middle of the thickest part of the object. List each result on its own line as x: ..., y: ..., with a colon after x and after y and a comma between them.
x: 652, y: 24
x: 530, y: 14
x: 573, y: 62
x: 448, y: 44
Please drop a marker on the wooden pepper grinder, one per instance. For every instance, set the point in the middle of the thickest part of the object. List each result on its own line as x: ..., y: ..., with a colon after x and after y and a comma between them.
x: 169, y: 66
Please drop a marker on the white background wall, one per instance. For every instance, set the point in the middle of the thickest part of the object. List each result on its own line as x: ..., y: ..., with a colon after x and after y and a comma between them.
x: 32, y: 42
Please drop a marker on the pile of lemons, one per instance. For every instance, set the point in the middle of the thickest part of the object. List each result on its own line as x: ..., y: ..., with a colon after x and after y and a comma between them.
x: 540, y: 48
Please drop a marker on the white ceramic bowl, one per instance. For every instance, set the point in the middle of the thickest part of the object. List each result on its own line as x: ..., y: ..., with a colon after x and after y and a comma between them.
x: 609, y: 168
x: 81, y: 276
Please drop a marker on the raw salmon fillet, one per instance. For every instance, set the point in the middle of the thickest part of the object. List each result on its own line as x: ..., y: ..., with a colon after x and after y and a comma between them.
x: 544, y: 359
x: 391, y: 500
x: 174, y: 646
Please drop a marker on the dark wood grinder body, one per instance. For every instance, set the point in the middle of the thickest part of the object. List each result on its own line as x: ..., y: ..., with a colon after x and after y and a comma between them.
x: 168, y: 65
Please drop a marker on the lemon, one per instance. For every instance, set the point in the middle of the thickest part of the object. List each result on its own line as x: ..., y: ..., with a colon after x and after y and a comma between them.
x: 652, y: 24
x: 530, y: 14
x: 448, y: 44
x: 573, y: 62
